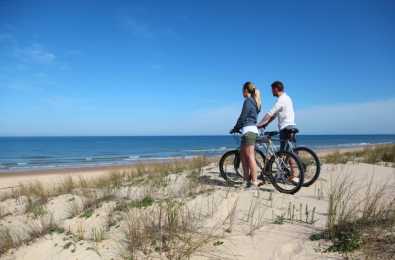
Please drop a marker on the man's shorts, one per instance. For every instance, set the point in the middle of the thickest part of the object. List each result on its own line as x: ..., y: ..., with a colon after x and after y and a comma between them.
x: 285, y: 136
x: 249, y: 138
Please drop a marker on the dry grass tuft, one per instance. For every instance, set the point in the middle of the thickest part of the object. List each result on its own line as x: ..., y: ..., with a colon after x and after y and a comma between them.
x: 34, y: 189
x: 255, y: 216
x: 231, y: 217
x: 351, y: 221
x: 373, y: 155
x: 170, y: 229
x: 109, y: 182
x: 41, y: 226
x: 35, y: 207
x: 3, y: 212
x: 37, y: 228
x: 98, y: 234
x: 7, y: 241
x: 74, y: 208
x: 67, y: 185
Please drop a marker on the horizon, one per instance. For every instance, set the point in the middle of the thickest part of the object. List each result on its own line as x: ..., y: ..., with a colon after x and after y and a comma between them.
x: 192, y: 135
x: 149, y: 68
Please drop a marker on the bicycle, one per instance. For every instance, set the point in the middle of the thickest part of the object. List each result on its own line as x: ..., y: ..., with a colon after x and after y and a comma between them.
x: 310, y: 162
x: 283, y: 169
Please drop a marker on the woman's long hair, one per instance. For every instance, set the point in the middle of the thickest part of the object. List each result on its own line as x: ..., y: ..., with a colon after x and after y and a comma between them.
x: 254, y: 92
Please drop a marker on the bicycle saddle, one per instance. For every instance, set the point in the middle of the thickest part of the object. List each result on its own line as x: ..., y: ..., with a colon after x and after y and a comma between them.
x: 293, y: 130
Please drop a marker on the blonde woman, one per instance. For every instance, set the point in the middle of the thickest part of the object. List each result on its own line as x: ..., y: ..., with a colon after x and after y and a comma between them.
x: 246, y: 125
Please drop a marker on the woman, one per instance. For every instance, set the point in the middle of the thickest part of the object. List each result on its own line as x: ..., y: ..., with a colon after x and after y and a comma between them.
x: 246, y: 124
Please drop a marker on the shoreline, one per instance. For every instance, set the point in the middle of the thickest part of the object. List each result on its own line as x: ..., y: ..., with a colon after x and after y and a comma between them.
x: 11, y: 178
x: 121, y: 165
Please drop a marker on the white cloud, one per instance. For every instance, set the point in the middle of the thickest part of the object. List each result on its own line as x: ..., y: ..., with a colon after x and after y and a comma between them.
x: 35, y: 53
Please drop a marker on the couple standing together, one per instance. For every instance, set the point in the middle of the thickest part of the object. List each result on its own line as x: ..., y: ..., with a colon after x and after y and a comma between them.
x: 247, y: 124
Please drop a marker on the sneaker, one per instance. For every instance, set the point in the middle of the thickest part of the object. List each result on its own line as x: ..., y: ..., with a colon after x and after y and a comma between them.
x: 248, y: 185
x: 294, y: 179
x: 255, y: 183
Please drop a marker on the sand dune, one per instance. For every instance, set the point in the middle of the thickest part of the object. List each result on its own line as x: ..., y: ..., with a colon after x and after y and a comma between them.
x: 241, y: 224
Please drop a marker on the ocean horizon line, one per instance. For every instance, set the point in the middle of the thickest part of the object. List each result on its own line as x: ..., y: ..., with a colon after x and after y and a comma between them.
x: 187, y: 135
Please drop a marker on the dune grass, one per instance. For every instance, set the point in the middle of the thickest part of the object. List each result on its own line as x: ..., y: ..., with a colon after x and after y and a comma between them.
x: 6, y: 240
x: 38, y: 227
x: 170, y: 229
x: 148, y: 171
x: 143, y: 203
x: 35, y: 207
x: 255, y: 216
x: 93, y: 191
x: 3, y: 212
x: 354, y: 219
x: 35, y: 190
x: 372, y: 155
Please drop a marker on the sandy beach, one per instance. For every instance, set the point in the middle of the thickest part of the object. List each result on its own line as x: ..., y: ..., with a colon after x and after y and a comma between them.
x: 234, y: 223
x: 9, y: 179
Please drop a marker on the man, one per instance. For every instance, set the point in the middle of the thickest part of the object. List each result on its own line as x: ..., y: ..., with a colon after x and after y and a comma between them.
x: 284, y: 111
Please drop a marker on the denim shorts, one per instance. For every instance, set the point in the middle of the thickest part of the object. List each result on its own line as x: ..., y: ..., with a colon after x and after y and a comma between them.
x: 249, y: 138
x: 285, y: 136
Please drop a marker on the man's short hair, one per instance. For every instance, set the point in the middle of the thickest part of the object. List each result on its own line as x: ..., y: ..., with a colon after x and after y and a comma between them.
x: 279, y: 85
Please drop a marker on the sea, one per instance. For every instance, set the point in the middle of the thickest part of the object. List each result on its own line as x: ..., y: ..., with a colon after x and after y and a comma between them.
x: 32, y: 153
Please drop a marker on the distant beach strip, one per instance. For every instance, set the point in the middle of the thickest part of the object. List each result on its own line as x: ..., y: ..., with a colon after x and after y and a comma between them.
x: 35, y: 153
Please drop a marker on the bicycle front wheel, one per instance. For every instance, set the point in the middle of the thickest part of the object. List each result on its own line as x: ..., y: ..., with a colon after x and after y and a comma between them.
x: 310, y: 163
x: 285, y: 172
x: 229, y: 165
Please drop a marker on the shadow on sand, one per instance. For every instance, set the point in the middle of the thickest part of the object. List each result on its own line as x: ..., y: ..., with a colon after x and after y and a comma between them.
x: 213, y: 179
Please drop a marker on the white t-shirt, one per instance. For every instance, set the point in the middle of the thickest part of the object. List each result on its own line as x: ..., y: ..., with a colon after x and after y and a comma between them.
x: 284, y: 111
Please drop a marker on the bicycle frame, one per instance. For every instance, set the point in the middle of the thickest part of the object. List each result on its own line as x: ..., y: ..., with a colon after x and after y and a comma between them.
x: 289, y: 145
x: 270, y: 150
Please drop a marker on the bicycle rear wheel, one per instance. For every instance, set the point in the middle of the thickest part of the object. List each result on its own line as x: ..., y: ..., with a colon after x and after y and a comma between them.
x: 310, y: 163
x: 285, y: 172
x: 228, y: 167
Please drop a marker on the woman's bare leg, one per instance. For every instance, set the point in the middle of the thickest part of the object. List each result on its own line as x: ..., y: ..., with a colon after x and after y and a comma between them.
x: 252, y: 162
x: 244, y: 162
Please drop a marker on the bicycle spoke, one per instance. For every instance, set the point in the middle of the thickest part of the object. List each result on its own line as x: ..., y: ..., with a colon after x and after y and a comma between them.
x: 286, y: 173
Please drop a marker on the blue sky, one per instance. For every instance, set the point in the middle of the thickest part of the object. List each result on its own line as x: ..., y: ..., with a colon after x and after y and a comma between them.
x: 176, y: 67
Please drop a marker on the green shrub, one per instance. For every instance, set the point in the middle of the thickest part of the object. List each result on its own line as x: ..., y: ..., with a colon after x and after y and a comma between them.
x: 143, y: 203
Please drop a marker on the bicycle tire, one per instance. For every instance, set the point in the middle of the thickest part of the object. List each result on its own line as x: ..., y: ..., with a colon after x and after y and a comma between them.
x: 274, y: 179
x: 236, y: 163
x: 309, y: 181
